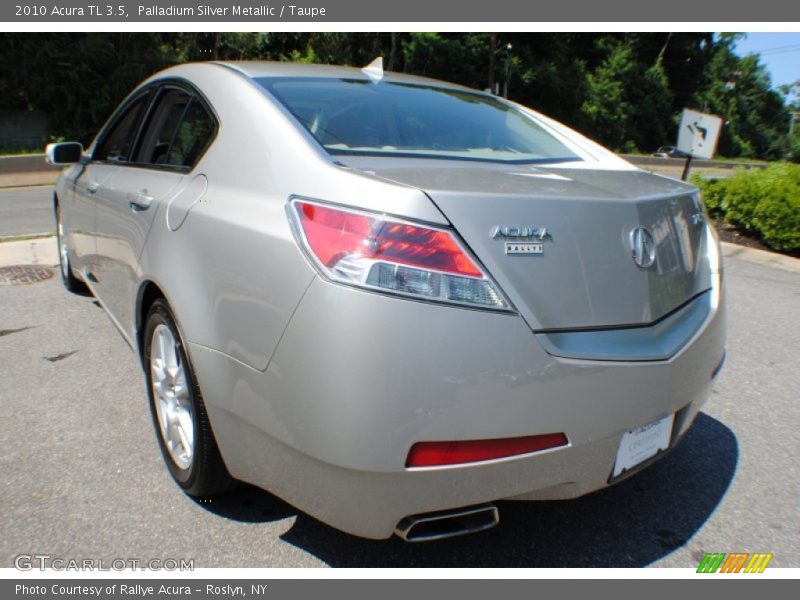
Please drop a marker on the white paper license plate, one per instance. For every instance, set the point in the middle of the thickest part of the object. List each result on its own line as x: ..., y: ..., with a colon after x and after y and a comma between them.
x: 642, y: 443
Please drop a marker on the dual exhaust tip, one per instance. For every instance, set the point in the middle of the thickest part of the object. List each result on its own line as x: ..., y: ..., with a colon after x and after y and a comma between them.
x: 448, y: 523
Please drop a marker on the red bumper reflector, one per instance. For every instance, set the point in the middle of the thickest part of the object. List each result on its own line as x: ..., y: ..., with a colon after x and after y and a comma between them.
x: 434, y: 454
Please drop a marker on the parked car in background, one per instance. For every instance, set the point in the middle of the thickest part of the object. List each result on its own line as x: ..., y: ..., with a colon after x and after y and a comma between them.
x: 390, y: 300
x: 670, y: 152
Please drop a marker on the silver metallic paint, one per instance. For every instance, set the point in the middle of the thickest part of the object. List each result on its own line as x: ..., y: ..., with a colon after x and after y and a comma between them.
x: 586, y: 277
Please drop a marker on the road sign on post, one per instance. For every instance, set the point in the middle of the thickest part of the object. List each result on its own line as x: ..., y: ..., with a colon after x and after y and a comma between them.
x: 697, y: 136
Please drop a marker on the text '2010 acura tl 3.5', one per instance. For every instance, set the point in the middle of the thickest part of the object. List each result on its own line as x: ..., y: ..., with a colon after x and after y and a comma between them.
x: 390, y: 300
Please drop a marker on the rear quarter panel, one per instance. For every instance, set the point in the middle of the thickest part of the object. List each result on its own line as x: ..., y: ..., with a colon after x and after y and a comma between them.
x: 232, y: 271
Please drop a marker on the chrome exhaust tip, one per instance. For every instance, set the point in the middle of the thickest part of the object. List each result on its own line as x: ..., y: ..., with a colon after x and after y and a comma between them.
x: 448, y: 523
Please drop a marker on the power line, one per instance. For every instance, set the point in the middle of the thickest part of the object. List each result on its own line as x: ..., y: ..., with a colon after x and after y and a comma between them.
x: 780, y: 49
x: 792, y: 45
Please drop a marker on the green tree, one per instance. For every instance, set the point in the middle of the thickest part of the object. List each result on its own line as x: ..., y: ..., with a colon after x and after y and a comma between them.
x: 628, y: 104
x: 739, y: 90
x: 624, y: 89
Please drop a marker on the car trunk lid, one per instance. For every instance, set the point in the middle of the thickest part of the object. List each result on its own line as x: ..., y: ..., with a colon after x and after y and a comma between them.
x: 586, y: 276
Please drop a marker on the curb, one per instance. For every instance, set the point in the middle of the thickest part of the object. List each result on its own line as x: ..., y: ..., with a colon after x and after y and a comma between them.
x: 26, y: 169
x: 761, y: 257
x: 36, y: 251
x: 28, y: 179
x: 43, y: 251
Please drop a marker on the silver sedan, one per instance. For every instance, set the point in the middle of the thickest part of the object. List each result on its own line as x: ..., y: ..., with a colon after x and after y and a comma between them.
x: 390, y: 300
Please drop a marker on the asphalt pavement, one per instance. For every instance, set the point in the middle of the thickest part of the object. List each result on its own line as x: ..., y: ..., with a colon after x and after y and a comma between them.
x: 83, y: 477
x: 26, y: 210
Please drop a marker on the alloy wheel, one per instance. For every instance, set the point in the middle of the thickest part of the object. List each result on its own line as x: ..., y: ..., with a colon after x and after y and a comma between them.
x: 172, y: 396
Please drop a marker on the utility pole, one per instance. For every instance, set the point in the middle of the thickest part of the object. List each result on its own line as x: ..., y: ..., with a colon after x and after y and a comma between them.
x: 393, y: 51
x: 217, y: 40
x: 492, y: 59
x: 492, y: 63
x: 508, y: 72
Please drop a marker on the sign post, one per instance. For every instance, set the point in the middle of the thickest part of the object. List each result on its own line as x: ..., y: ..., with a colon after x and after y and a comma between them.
x: 698, y: 135
x: 686, y: 166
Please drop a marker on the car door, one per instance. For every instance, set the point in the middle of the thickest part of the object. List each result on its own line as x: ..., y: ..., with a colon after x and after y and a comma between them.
x: 138, y: 192
x: 91, y: 182
x: 84, y: 181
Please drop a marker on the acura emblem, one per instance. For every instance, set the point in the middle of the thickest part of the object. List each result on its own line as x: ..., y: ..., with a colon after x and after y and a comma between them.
x: 516, y: 232
x: 643, y: 246
x: 522, y: 239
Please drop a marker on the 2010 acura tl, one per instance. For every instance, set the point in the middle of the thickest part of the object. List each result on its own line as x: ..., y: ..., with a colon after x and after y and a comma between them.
x: 390, y: 300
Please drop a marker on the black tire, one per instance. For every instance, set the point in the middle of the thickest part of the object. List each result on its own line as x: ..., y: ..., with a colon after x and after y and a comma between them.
x: 207, y: 474
x: 72, y: 283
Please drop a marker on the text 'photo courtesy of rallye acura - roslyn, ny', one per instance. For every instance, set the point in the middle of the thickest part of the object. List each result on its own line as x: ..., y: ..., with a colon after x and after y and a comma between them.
x: 389, y: 300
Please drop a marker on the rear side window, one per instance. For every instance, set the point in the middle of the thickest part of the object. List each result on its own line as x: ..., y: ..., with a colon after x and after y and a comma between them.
x: 193, y: 135
x: 117, y: 143
x: 162, y: 126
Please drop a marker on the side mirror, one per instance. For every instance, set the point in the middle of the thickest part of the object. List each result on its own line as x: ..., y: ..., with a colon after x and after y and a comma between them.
x: 64, y: 153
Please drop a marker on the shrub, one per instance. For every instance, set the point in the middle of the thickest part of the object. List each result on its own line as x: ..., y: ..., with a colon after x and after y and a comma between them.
x: 764, y: 202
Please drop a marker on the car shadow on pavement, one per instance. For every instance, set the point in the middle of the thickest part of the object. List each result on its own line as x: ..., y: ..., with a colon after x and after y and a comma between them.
x: 247, y: 504
x: 631, y: 524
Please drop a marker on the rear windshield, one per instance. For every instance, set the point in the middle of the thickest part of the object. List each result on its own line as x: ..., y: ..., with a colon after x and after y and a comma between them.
x: 358, y: 117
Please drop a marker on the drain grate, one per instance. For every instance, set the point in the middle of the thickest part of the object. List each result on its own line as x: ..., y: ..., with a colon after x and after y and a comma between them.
x: 24, y: 274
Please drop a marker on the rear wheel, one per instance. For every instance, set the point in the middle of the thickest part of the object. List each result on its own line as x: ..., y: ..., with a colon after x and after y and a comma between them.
x: 179, y: 415
x: 72, y: 283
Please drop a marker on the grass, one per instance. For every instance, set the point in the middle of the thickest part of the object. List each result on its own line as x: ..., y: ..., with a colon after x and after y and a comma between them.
x: 26, y: 236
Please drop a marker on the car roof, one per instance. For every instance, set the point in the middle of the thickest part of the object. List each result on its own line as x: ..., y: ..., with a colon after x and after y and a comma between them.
x: 259, y: 69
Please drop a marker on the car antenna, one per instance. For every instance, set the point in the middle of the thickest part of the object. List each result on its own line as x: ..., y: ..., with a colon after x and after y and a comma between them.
x: 374, y: 70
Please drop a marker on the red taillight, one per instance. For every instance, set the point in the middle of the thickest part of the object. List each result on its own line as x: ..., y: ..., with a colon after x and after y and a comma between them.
x: 334, y: 233
x: 394, y: 256
x: 434, y: 454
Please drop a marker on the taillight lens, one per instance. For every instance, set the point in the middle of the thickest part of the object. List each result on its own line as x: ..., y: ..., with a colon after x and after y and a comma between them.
x: 381, y: 253
x: 438, y: 454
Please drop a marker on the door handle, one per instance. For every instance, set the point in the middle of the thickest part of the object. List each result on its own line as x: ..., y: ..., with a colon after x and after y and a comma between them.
x: 92, y: 187
x: 140, y: 201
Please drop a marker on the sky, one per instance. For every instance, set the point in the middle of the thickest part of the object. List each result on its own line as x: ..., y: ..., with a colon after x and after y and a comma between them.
x: 780, y: 52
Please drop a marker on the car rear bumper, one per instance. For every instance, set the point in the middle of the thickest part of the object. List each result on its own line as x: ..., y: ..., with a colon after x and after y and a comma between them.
x: 358, y: 378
